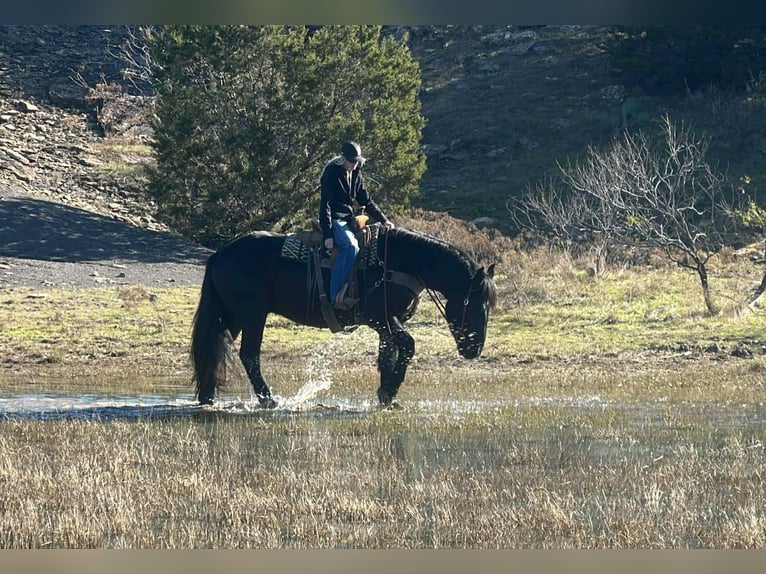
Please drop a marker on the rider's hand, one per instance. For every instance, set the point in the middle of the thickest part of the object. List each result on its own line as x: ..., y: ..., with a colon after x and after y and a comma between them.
x: 388, y: 225
x: 329, y: 244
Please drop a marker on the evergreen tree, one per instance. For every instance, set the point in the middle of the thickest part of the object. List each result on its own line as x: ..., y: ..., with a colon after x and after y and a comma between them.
x: 247, y: 116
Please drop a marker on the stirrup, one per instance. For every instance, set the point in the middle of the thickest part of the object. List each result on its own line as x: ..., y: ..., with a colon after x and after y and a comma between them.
x: 342, y: 302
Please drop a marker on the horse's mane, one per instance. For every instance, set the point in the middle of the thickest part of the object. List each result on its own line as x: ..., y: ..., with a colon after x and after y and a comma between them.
x: 451, y: 252
x: 437, y: 245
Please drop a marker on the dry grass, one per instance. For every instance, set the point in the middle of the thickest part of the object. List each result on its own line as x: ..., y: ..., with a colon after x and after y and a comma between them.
x: 127, y: 332
x: 384, y: 480
x: 608, y: 412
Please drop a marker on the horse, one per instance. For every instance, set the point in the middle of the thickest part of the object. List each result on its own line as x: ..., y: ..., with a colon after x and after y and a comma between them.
x: 250, y: 277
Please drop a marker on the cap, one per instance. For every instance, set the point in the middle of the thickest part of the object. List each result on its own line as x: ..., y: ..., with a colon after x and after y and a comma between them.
x: 352, y: 152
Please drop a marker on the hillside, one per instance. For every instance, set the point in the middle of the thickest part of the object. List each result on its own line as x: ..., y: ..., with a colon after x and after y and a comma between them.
x: 503, y: 105
x: 57, y: 141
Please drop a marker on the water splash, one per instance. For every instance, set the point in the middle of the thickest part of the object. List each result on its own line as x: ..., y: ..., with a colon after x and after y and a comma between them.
x: 318, y: 376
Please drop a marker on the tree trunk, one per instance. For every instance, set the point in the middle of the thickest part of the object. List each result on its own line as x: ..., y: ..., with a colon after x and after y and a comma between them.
x: 702, y: 272
x: 762, y: 287
x: 601, y: 258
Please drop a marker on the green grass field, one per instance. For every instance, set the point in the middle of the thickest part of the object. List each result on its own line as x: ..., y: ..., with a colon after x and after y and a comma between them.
x: 604, y: 412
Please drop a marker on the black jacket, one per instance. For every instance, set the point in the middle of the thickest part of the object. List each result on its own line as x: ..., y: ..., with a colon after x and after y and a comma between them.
x: 337, y: 198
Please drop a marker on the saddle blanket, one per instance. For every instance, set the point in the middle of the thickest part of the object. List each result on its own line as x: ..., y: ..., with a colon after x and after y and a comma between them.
x: 297, y: 249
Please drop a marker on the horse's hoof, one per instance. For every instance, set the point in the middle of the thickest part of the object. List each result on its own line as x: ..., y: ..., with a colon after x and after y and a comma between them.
x: 392, y: 406
x: 267, y: 402
x: 205, y: 401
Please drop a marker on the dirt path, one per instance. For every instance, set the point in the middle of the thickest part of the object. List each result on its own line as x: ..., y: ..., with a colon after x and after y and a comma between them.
x: 48, y: 244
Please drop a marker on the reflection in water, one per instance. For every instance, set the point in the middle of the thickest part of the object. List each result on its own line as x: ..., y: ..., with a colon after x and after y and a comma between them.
x: 87, y: 406
x: 165, y: 401
x: 111, y: 407
x: 555, y: 432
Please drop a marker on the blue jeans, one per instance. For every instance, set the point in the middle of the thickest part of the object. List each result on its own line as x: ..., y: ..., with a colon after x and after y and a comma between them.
x: 348, y: 248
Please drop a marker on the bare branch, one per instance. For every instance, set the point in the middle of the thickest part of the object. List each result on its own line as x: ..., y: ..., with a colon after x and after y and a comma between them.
x: 659, y: 193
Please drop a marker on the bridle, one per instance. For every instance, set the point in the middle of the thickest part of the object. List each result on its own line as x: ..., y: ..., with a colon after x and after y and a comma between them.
x: 431, y: 293
x: 443, y: 308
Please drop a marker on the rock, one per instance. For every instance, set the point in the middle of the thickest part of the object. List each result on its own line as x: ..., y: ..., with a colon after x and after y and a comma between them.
x: 124, y: 114
x: 69, y: 95
x: 526, y: 143
x: 24, y: 173
x: 497, y: 152
x: 26, y: 107
x: 749, y: 252
x: 484, y: 221
x: 16, y: 156
x: 612, y: 95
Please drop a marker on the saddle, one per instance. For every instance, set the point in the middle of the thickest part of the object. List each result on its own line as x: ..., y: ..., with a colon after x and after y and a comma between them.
x: 363, y: 233
x: 300, y: 246
x: 308, y: 246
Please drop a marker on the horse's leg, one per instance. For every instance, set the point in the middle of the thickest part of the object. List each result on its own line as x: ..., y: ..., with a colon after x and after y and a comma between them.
x: 395, y: 352
x: 250, y: 354
x: 387, y: 356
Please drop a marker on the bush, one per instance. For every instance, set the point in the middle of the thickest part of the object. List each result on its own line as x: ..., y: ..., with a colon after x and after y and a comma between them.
x: 247, y: 116
x: 486, y: 246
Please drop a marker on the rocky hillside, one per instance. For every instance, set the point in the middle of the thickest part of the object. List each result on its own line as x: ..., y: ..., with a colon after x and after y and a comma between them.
x: 54, y: 120
x: 503, y: 105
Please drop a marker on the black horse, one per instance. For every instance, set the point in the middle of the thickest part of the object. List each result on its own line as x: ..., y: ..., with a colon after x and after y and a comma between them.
x: 251, y: 277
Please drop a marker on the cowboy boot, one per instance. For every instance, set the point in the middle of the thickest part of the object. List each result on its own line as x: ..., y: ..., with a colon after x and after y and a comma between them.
x: 342, y: 302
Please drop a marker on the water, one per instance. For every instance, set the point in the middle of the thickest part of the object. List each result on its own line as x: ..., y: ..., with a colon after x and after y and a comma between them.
x: 167, y: 403
x: 314, y: 397
x: 311, y: 398
x: 561, y: 427
x: 88, y: 406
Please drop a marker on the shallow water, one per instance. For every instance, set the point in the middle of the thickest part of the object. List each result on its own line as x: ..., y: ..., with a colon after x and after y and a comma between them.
x: 309, y: 401
x: 55, y: 406
x: 558, y: 433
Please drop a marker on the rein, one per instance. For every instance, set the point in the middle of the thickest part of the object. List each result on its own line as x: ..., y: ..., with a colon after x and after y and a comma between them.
x: 385, y: 283
x: 443, y: 308
x: 431, y: 293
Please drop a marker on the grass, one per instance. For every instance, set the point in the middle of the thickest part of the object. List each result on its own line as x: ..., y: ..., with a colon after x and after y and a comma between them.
x: 123, y: 156
x: 552, y: 314
x: 605, y: 412
x: 383, y: 480
x: 75, y: 329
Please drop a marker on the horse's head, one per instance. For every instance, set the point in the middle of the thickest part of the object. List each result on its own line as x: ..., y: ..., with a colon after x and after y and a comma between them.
x: 468, y: 312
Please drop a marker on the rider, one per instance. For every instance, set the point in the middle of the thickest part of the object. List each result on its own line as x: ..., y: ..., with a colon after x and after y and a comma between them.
x: 341, y: 184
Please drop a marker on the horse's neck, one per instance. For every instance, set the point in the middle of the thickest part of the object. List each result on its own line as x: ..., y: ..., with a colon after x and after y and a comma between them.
x: 442, y: 279
x: 439, y: 270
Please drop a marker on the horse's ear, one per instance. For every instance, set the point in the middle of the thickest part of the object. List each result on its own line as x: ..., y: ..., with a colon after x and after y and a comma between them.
x: 491, y: 271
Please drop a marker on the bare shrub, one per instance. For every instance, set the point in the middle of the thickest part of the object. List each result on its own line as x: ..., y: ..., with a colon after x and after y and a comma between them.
x: 654, y: 192
x: 542, y: 274
x: 486, y: 246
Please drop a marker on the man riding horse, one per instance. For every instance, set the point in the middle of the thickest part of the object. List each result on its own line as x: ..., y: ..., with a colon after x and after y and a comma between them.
x: 342, y: 183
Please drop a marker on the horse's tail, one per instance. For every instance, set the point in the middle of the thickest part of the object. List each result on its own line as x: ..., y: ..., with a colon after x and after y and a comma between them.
x: 209, y: 342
